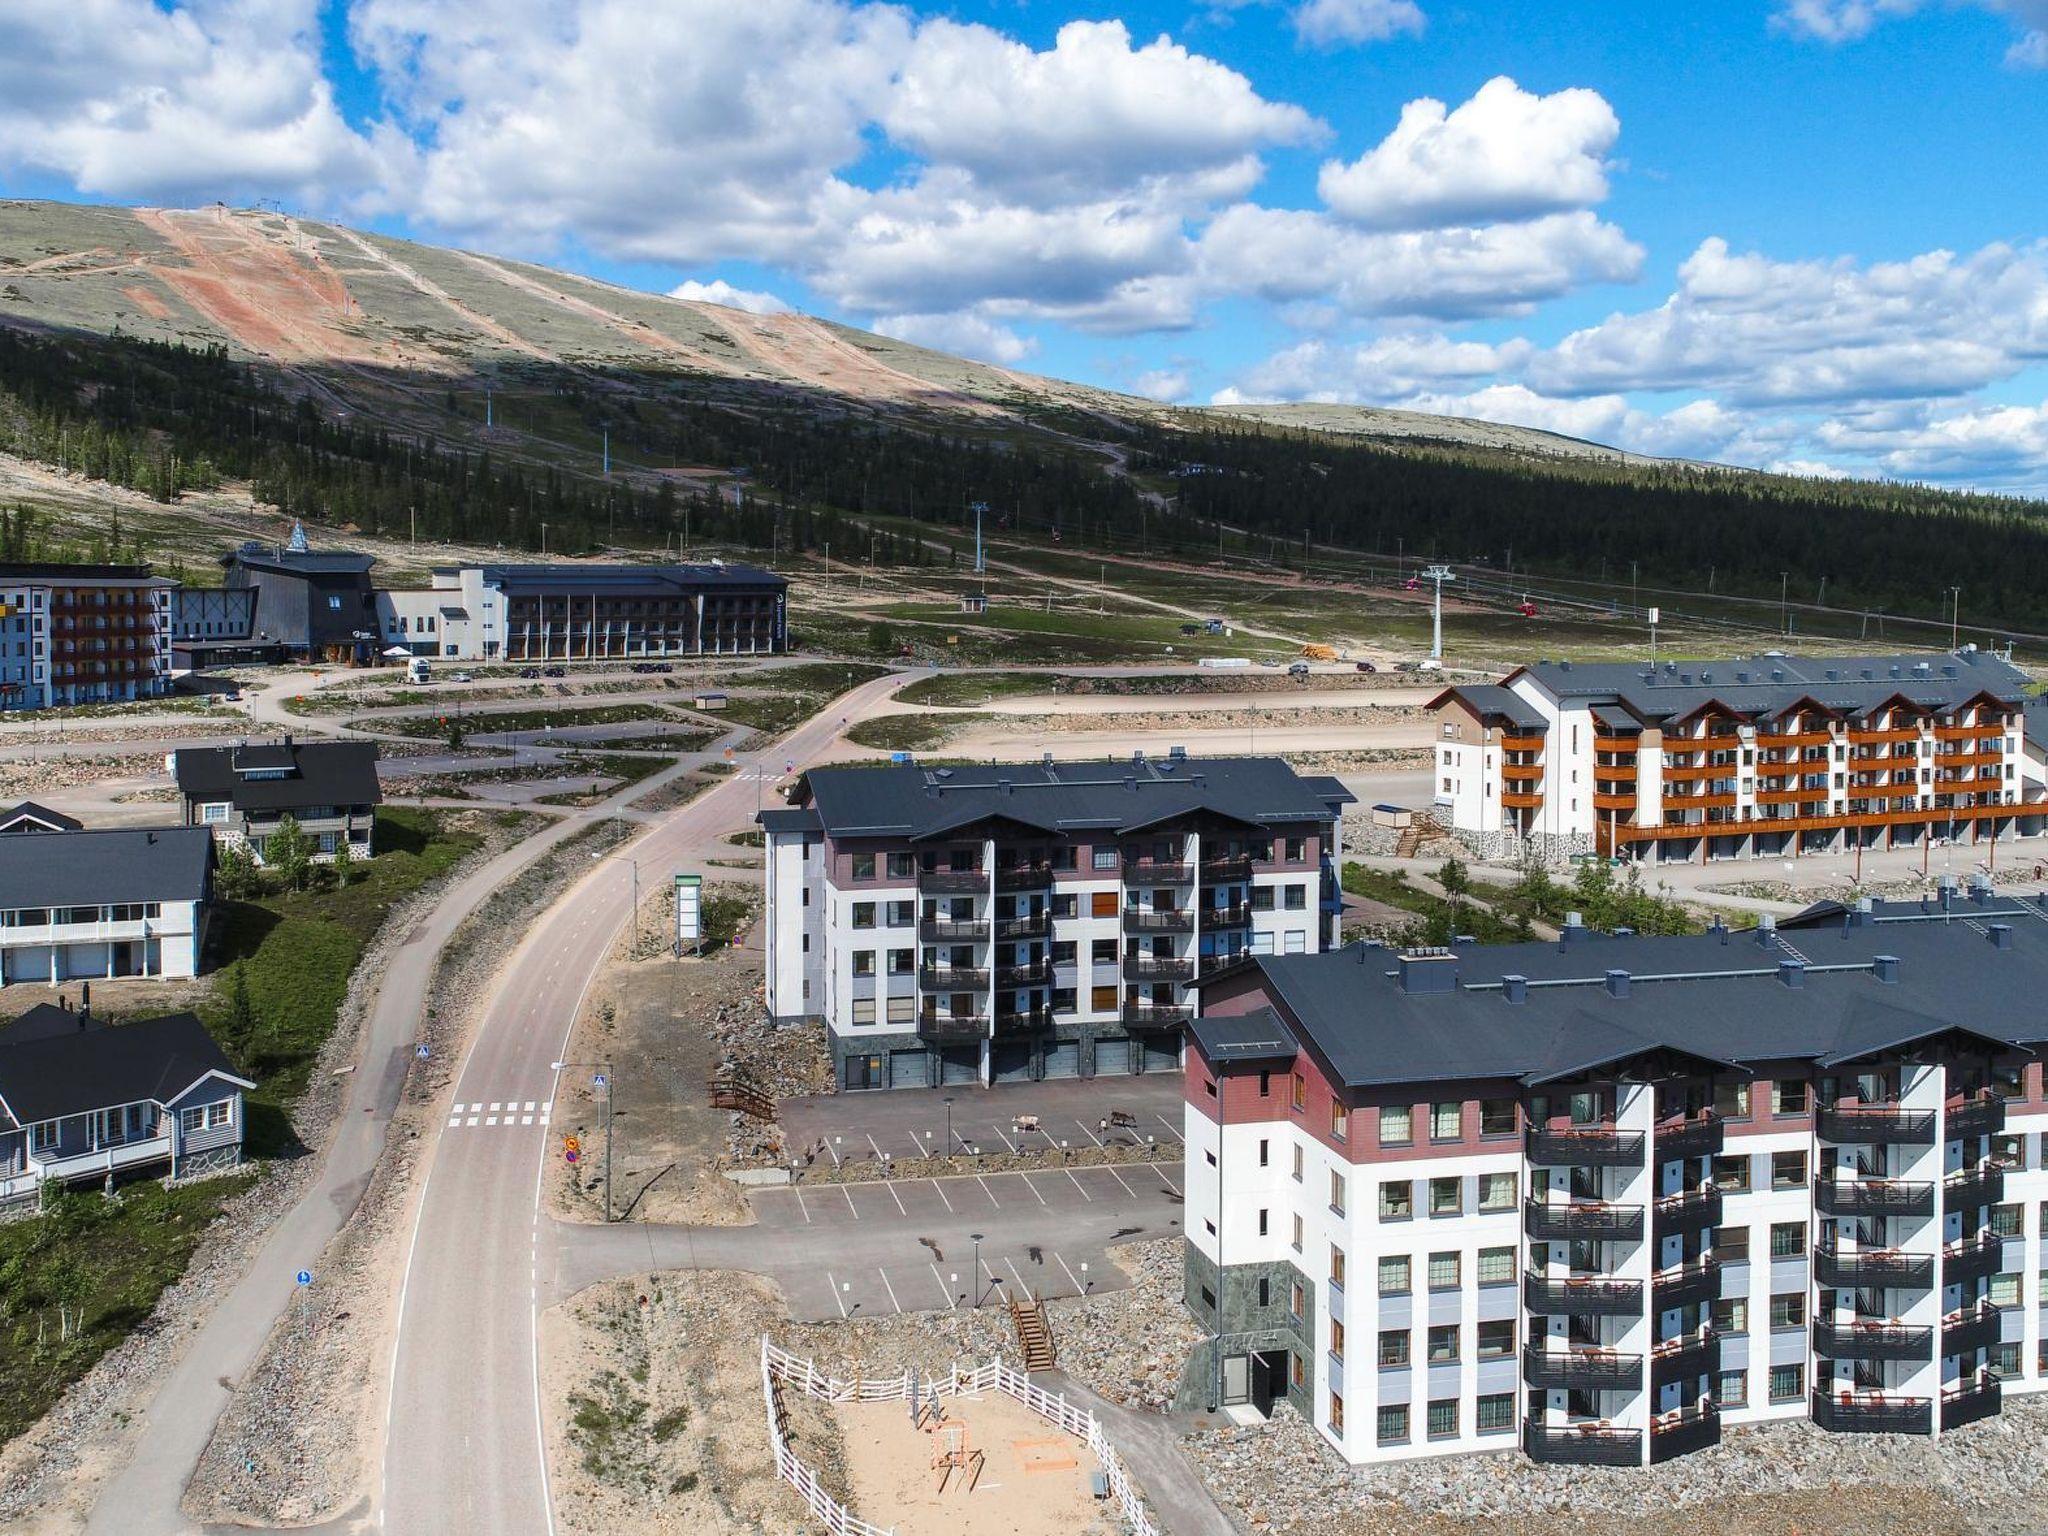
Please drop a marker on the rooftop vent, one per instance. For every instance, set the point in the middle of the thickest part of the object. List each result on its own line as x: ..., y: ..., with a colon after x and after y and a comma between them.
x: 1428, y: 971
x: 1777, y: 674
x: 1177, y: 753
x: 1868, y: 674
x: 1617, y: 983
x: 1515, y: 988
x: 1886, y: 969
x: 1834, y: 674
x: 2000, y: 935
x: 1003, y: 787
x: 1766, y: 930
x: 1574, y: 929
x: 1948, y: 669
x: 1706, y: 677
x: 1792, y: 973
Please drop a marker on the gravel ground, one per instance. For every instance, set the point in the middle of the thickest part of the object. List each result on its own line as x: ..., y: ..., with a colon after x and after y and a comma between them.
x: 1779, y: 1478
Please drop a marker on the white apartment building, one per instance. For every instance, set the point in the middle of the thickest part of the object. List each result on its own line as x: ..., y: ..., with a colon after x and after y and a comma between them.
x: 1005, y: 922
x: 1767, y: 756
x: 1596, y: 1199
x: 82, y: 634
x: 78, y: 904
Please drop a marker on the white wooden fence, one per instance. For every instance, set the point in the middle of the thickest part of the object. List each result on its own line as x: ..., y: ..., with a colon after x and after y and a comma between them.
x: 780, y: 1365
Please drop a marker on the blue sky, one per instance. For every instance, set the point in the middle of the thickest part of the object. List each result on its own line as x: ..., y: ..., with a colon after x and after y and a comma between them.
x: 1800, y: 233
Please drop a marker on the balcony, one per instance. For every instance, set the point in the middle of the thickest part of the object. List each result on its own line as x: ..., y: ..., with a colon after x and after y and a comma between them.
x: 1156, y: 1016
x: 1590, y: 1146
x: 1024, y: 877
x: 1872, y: 1197
x: 1686, y: 1358
x: 1701, y: 1135
x: 1224, y: 870
x: 1159, y: 920
x: 1872, y: 1341
x: 952, y: 882
x: 1582, y: 1298
x: 1872, y: 1268
x: 1862, y: 1124
x: 953, y: 930
x: 1686, y: 1285
x: 951, y: 978
x: 1973, y: 1258
x: 1596, y: 1370
x: 1967, y: 1404
x: 952, y: 1026
x: 1977, y: 1327
x: 1695, y: 1210
x: 1582, y: 1445
x: 1560, y: 1221
x: 1158, y: 968
x: 1037, y: 973
x: 1683, y: 1432
x: 1214, y: 919
x: 1158, y: 872
x: 1972, y: 1188
x: 1033, y: 925
x: 1013, y: 1021
x: 1850, y: 1413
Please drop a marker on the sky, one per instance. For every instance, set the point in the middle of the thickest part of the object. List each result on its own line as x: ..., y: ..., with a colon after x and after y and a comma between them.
x: 1799, y: 234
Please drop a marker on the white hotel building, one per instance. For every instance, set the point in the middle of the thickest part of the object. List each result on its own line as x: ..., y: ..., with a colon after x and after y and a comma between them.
x: 1598, y: 1198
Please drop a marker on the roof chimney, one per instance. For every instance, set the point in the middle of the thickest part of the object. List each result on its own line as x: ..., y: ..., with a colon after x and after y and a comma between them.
x: 1792, y: 973
x: 1886, y: 969
x: 1428, y: 971
x: 1766, y: 931
x: 1574, y: 928
x: 1515, y: 988
x: 1617, y: 983
x: 2000, y: 935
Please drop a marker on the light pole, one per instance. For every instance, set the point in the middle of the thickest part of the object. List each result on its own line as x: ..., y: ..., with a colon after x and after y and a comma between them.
x: 949, y: 1125
x: 632, y: 863
x: 604, y: 1081
x: 977, y: 1268
x: 1955, y: 613
x: 1439, y: 574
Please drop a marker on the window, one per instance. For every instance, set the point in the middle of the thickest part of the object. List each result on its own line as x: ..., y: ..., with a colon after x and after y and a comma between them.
x: 1788, y: 1239
x: 1497, y: 1117
x: 1393, y: 1424
x: 1297, y: 1297
x: 1102, y: 999
x: 2005, y: 1220
x: 1297, y: 1232
x: 2009, y: 1151
x: 214, y: 811
x: 1102, y: 904
x: 901, y: 914
x: 1102, y: 952
x: 1443, y: 1270
x: 1788, y: 1098
x: 1497, y: 1266
x: 1295, y: 941
x: 2004, y: 1360
x: 1297, y: 850
x: 205, y: 1117
x: 1336, y: 1414
x: 1446, y: 1122
x: 1263, y: 1225
x: 1396, y: 1126
x: 1443, y: 1344
x: 1103, y: 858
x: 1731, y: 1101
x: 1300, y: 1093
x: 902, y: 961
x: 1731, y: 1315
x: 1495, y: 1412
x: 1262, y: 898
x: 1265, y: 1092
x: 1065, y: 904
x: 1296, y: 898
x: 1496, y: 1341
x: 1788, y: 1310
x: 1062, y: 950
x: 1497, y: 1191
x: 1336, y: 1339
x: 1336, y: 1265
x: 1788, y: 1171
x: 1731, y: 1388
x: 1265, y: 1152
x: 902, y: 866
x: 863, y: 866
x: 1446, y: 1196
x: 863, y: 914
x: 1394, y: 1274
x: 43, y: 1134
x: 902, y: 1010
x: 1393, y: 1347
x: 1731, y: 1174
x: 1297, y: 1164
x: 1731, y: 1244
x: 1443, y: 1418
x: 863, y: 1010
x: 1340, y: 1121
x: 863, y: 962
x: 1397, y: 1200
x: 1788, y: 1382
x: 1337, y: 1192
x: 2005, y: 1290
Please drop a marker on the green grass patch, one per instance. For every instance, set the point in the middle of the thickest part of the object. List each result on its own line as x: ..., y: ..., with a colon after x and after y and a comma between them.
x: 904, y: 733
x: 501, y: 721
x: 827, y: 677
x: 104, y: 1263
x: 1437, y: 919
x: 961, y: 690
x: 622, y: 768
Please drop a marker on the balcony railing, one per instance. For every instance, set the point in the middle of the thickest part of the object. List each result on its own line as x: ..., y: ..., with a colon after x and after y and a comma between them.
x: 1158, y: 920
x: 1871, y: 1414
x: 1035, y: 925
x: 1593, y: 1369
x: 952, y: 1026
x: 1023, y: 877
x: 1872, y: 1341
x: 1020, y: 1020
x: 1685, y: 1285
x: 1979, y: 1327
x: 1585, y: 1147
x: 1239, y: 916
x: 1683, y: 1432
x: 1156, y: 1015
x: 1692, y: 1211
x: 1582, y: 1445
x: 1972, y: 1188
x: 1686, y: 1358
x: 1872, y: 1268
x: 1036, y: 973
x: 1582, y: 1298
x: 1872, y: 1197
x: 1233, y: 866
x: 1967, y: 1404
x: 1701, y: 1135
x: 1858, y: 1124
x: 1972, y: 1259
x: 948, y: 978
x: 953, y: 930
x: 1158, y: 968
x: 1560, y: 1221
x: 1158, y: 872
x: 952, y: 882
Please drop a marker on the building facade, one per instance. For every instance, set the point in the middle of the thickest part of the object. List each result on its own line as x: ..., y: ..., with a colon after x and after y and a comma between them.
x: 1769, y: 756
x: 82, y: 634
x: 122, y: 901
x: 1013, y: 921
x: 315, y: 603
x: 1596, y: 1199
x: 242, y: 794
x: 570, y: 612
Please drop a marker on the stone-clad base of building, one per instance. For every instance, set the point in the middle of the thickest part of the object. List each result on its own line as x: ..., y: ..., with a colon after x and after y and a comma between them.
x: 1238, y: 1325
x: 1546, y: 848
x: 906, y: 1059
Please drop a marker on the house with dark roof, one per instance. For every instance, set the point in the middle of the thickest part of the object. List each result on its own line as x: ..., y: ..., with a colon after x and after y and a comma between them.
x: 243, y: 793
x: 83, y: 1100
x: 117, y: 901
x: 1010, y: 921
x: 1597, y: 1198
x: 1769, y: 756
x: 308, y: 602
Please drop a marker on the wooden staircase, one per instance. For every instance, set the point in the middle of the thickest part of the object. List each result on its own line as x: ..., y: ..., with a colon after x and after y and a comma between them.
x: 1034, y: 1333
x: 1423, y: 829
x: 734, y: 1089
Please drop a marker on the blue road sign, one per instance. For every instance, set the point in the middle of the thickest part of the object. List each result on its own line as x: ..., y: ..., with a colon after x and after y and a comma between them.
x: 423, y: 1050
x: 305, y: 1277
x: 598, y: 1081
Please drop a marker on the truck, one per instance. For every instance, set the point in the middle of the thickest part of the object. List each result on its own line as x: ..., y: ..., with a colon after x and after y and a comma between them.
x: 419, y: 670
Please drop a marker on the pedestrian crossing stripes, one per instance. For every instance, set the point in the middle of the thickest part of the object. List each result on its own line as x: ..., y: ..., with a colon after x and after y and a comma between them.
x: 500, y: 1112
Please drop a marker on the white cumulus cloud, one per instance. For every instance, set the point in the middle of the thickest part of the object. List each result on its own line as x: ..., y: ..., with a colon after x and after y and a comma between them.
x: 1845, y: 21
x: 963, y: 333
x: 1329, y: 22
x: 719, y: 291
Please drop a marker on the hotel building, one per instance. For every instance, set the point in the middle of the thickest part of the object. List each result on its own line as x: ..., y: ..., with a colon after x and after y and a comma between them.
x: 82, y: 634
x: 1599, y: 1198
x: 1012, y: 921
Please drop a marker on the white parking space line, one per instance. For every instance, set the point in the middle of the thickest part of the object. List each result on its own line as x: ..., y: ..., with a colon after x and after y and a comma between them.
x: 849, y: 1201
x: 1076, y: 1279
x: 833, y: 1151
x: 1171, y: 1129
x: 1088, y: 1133
x: 1077, y: 1184
x: 992, y: 1200
x: 1031, y: 1186
x: 800, y: 1204
x: 880, y: 1155
x: 1006, y: 1140
x: 833, y: 1281
x: 942, y: 1195
x: 945, y: 1290
x: 890, y: 1185
x: 891, y: 1290
x: 1120, y: 1179
x: 1167, y: 1182
x: 1022, y: 1288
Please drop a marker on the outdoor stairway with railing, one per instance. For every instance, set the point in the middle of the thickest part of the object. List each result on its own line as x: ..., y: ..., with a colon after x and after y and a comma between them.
x: 1034, y: 1332
x: 733, y: 1089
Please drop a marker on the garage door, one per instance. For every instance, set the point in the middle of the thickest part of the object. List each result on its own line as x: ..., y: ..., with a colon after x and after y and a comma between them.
x: 1063, y: 1058
x: 1162, y: 1053
x: 1011, y: 1062
x: 1112, y: 1058
x: 960, y: 1064
x: 909, y: 1069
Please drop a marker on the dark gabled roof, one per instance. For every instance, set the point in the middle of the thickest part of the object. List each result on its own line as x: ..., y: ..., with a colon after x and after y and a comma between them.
x: 325, y: 773
x: 113, y: 864
x: 30, y: 817
x: 1720, y: 998
x: 55, y: 1063
x: 804, y: 820
x: 300, y: 562
x: 1256, y: 1036
x: 614, y: 579
x: 1491, y: 700
x: 1123, y: 796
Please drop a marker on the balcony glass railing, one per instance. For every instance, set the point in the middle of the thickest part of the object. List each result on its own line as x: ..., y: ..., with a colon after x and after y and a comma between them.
x: 1871, y: 1413
x: 1864, y: 1124
x: 1684, y: 1431
x: 1871, y: 1341
x: 1582, y: 1297
x: 1561, y: 1220
x: 1584, y: 1445
x: 1587, y: 1146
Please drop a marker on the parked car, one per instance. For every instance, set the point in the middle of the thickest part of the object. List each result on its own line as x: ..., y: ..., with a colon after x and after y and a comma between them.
x: 662, y: 666
x: 529, y: 672
x: 461, y: 677
x: 1297, y: 669
x: 233, y: 696
x: 554, y: 671
x: 1367, y: 667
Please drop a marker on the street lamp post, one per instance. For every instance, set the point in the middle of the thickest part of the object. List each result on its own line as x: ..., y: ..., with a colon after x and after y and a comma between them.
x: 605, y: 1067
x: 977, y: 1268
x: 949, y: 1125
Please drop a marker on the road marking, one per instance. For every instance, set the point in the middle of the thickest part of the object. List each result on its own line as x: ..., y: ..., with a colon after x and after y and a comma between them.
x: 1031, y: 1186
x: 1079, y: 1289
x: 531, y: 1106
x: 1088, y: 1133
x: 891, y: 1290
x: 1022, y: 1288
x: 833, y: 1281
x: 1106, y: 1168
x: 543, y: 1117
x: 1166, y: 1181
x: 834, y: 1153
x: 945, y: 1290
x: 1077, y: 1184
x: 942, y: 1195
x: 470, y: 1121
x: 525, y: 1119
x: 849, y: 1201
x: 454, y: 1124
x: 1170, y: 1130
x: 992, y: 1200
x: 800, y: 1204
x: 880, y: 1155
x: 1006, y: 1140
x: 490, y: 1119
x: 890, y: 1185
x: 496, y: 1107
